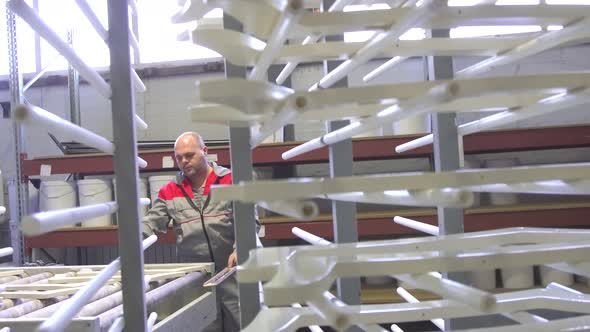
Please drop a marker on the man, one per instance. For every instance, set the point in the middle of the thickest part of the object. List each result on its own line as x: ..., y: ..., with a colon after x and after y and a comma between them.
x: 204, y: 229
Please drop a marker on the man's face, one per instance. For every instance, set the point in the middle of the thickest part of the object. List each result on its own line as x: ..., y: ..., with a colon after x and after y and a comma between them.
x: 190, y: 156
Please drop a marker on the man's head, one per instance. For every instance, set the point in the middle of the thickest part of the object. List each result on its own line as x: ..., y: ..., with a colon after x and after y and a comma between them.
x: 191, y: 154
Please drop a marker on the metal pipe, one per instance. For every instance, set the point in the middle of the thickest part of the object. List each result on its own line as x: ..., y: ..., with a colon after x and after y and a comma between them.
x: 291, y: 65
x: 329, y: 311
x: 24, y: 308
x: 108, y: 301
x: 40, y: 73
x: 544, y: 42
x: 151, y: 321
x: 366, y: 327
x: 62, y: 317
x: 104, y: 35
x: 447, y: 197
x: 135, y: 45
x: 391, y: 62
x: 154, y: 296
x: 575, y: 31
x: 441, y: 93
x: 451, y: 289
x: 91, y: 309
x: 439, y: 322
x: 139, y: 121
x: 379, y: 41
x: 47, y: 221
x: 285, y: 116
x: 312, y: 328
x: 383, y: 68
x: 93, y: 19
x: 289, y: 15
x: 12, y: 308
x: 35, y: 278
x: 417, y: 225
x: 6, y: 251
x: 33, y: 115
x: 118, y: 325
x: 38, y: 25
x: 4, y: 280
x: 524, y: 317
x: 74, y: 88
x: 543, y: 107
x: 556, y: 187
x: 133, y: 5
x: 395, y: 328
x: 302, y: 210
x: 309, y: 237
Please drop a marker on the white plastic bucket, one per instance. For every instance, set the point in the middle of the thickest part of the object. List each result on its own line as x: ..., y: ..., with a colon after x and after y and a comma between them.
x: 502, y: 198
x: 549, y: 275
x: 95, y: 191
x: 56, y: 195
x: 412, y: 125
x: 142, y: 185
x: 33, y: 199
x: 470, y: 164
x: 157, y: 182
x: 518, y: 277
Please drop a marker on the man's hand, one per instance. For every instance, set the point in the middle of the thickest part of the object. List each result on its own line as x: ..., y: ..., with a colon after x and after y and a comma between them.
x: 233, y: 259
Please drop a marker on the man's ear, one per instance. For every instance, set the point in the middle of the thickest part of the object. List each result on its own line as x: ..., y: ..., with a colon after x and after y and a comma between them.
x: 205, y: 149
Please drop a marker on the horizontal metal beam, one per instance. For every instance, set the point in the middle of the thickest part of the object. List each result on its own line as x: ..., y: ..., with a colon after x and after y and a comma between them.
x: 374, y: 224
x: 376, y: 148
x: 384, y: 226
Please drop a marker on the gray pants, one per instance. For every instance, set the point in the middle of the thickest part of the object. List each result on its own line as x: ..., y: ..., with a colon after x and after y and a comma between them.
x: 228, y: 308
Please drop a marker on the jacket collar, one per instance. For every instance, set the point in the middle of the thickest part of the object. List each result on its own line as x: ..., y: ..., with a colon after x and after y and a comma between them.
x: 185, y: 183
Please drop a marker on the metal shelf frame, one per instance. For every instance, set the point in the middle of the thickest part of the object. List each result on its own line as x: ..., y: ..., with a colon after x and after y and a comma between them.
x: 125, y: 163
x: 373, y: 148
x: 369, y: 224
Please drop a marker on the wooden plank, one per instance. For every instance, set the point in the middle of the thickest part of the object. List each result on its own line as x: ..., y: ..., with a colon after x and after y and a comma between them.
x: 418, y: 212
x: 41, y: 287
x: 364, y: 149
x: 10, y: 273
x: 69, y: 280
x: 39, y: 294
x: 85, y: 324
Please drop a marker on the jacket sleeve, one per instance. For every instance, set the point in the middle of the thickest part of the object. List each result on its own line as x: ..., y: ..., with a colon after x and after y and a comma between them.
x: 156, y: 220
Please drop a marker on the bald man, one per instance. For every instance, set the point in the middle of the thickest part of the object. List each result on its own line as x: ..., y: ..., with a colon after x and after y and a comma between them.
x: 204, y: 229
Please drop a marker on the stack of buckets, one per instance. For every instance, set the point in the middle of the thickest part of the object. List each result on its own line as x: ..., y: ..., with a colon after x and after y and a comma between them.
x: 56, y: 195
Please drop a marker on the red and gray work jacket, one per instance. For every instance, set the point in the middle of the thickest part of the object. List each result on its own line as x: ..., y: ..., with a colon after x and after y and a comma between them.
x: 204, y: 228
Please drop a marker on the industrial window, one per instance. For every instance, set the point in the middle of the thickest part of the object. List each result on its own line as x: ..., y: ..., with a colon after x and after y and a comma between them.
x: 157, y: 35
x: 463, y: 32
